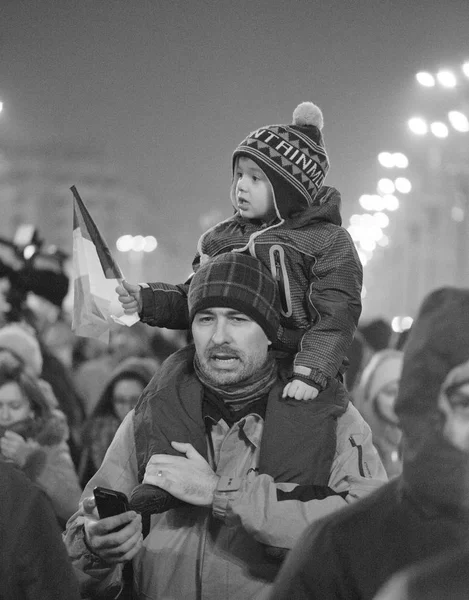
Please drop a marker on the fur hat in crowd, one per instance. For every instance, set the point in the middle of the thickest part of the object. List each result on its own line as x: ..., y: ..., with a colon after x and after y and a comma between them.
x: 293, y: 157
x: 17, y: 339
x: 237, y: 281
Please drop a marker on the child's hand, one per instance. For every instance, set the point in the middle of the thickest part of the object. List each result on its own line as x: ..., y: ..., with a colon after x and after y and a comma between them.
x: 130, y: 296
x: 300, y: 390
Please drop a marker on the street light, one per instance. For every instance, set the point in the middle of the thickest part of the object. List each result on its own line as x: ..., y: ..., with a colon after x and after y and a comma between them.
x: 447, y: 78
x: 386, y: 186
x: 426, y: 79
x: 439, y: 129
x: 136, y: 246
x: 391, y: 160
x: 137, y: 243
x: 459, y: 121
x: 403, y: 185
x: 418, y: 125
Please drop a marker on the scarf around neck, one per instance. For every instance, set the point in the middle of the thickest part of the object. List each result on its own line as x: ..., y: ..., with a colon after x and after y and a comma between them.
x: 238, y: 395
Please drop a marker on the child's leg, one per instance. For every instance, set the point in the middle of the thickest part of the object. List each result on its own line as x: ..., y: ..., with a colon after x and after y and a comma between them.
x: 299, y: 440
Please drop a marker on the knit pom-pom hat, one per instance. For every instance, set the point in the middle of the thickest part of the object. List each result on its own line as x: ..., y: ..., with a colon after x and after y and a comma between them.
x: 293, y: 157
x: 237, y: 281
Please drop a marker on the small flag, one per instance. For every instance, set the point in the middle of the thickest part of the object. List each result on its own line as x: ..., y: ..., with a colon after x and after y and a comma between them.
x: 96, y: 275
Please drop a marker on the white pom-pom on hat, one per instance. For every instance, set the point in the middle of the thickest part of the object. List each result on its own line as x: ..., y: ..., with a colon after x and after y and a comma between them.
x: 306, y: 114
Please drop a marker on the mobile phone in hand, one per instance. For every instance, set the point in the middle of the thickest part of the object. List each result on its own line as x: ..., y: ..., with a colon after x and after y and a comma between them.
x: 110, y: 502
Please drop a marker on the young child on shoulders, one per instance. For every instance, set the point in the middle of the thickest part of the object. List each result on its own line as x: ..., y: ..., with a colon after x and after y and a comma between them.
x: 285, y: 217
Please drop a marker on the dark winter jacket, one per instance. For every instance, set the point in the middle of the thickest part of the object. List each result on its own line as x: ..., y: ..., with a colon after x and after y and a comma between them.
x: 425, y: 511
x: 34, y: 563
x: 319, y: 275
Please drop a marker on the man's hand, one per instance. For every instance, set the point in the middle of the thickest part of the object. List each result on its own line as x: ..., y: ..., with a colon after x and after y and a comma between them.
x: 16, y: 448
x: 189, y: 478
x: 130, y: 296
x: 112, y: 546
x: 299, y: 390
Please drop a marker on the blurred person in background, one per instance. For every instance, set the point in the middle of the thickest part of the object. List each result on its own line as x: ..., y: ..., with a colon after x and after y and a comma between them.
x: 33, y: 434
x: 425, y: 511
x: 124, y: 342
x: 34, y: 564
x: 375, y: 397
x: 85, y: 349
x: 120, y: 395
x: 377, y: 333
x: 446, y: 576
x: 358, y: 356
x: 13, y: 288
x: 32, y: 291
x: 60, y: 340
x: 165, y: 342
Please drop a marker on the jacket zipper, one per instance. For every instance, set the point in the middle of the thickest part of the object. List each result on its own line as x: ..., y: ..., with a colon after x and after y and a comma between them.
x: 360, y: 455
x: 280, y: 279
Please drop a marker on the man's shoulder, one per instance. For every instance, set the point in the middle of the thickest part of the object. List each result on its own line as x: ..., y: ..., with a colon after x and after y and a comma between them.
x: 352, y: 418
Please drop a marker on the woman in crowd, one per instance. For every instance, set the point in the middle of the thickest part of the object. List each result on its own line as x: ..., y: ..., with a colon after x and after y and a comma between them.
x: 374, y: 398
x: 120, y: 395
x: 33, y: 435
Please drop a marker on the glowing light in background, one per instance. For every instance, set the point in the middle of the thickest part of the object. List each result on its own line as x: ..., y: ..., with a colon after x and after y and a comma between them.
x: 150, y: 243
x: 403, y: 185
x: 382, y: 220
x: 386, y: 160
x: 418, y: 125
x: 400, y: 160
x: 137, y: 243
x: 124, y: 243
x: 384, y: 241
x: 389, y: 160
x: 400, y: 324
x: 447, y: 78
x: 459, y: 121
x: 426, y: 79
x: 457, y: 214
x: 439, y: 129
x: 391, y: 203
x: 386, y: 186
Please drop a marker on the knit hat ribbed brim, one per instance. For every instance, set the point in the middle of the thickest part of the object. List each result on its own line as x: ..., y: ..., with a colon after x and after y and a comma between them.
x: 237, y: 281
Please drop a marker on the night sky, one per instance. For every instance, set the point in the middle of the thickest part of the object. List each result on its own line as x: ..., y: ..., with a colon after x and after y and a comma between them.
x: 168, y: 89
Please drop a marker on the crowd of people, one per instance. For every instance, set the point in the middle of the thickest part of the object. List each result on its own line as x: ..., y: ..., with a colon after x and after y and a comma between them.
x: 271, y: 446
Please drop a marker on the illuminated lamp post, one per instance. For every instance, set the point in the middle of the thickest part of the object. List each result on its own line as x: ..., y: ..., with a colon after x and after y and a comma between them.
x: 136, y: 246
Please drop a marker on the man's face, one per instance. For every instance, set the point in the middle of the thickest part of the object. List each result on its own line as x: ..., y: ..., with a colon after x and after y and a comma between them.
x: 230, y: 345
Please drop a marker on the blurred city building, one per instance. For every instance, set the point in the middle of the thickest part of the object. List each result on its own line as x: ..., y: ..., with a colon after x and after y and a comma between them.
x: 35, y: 183
x: 424, y: 239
